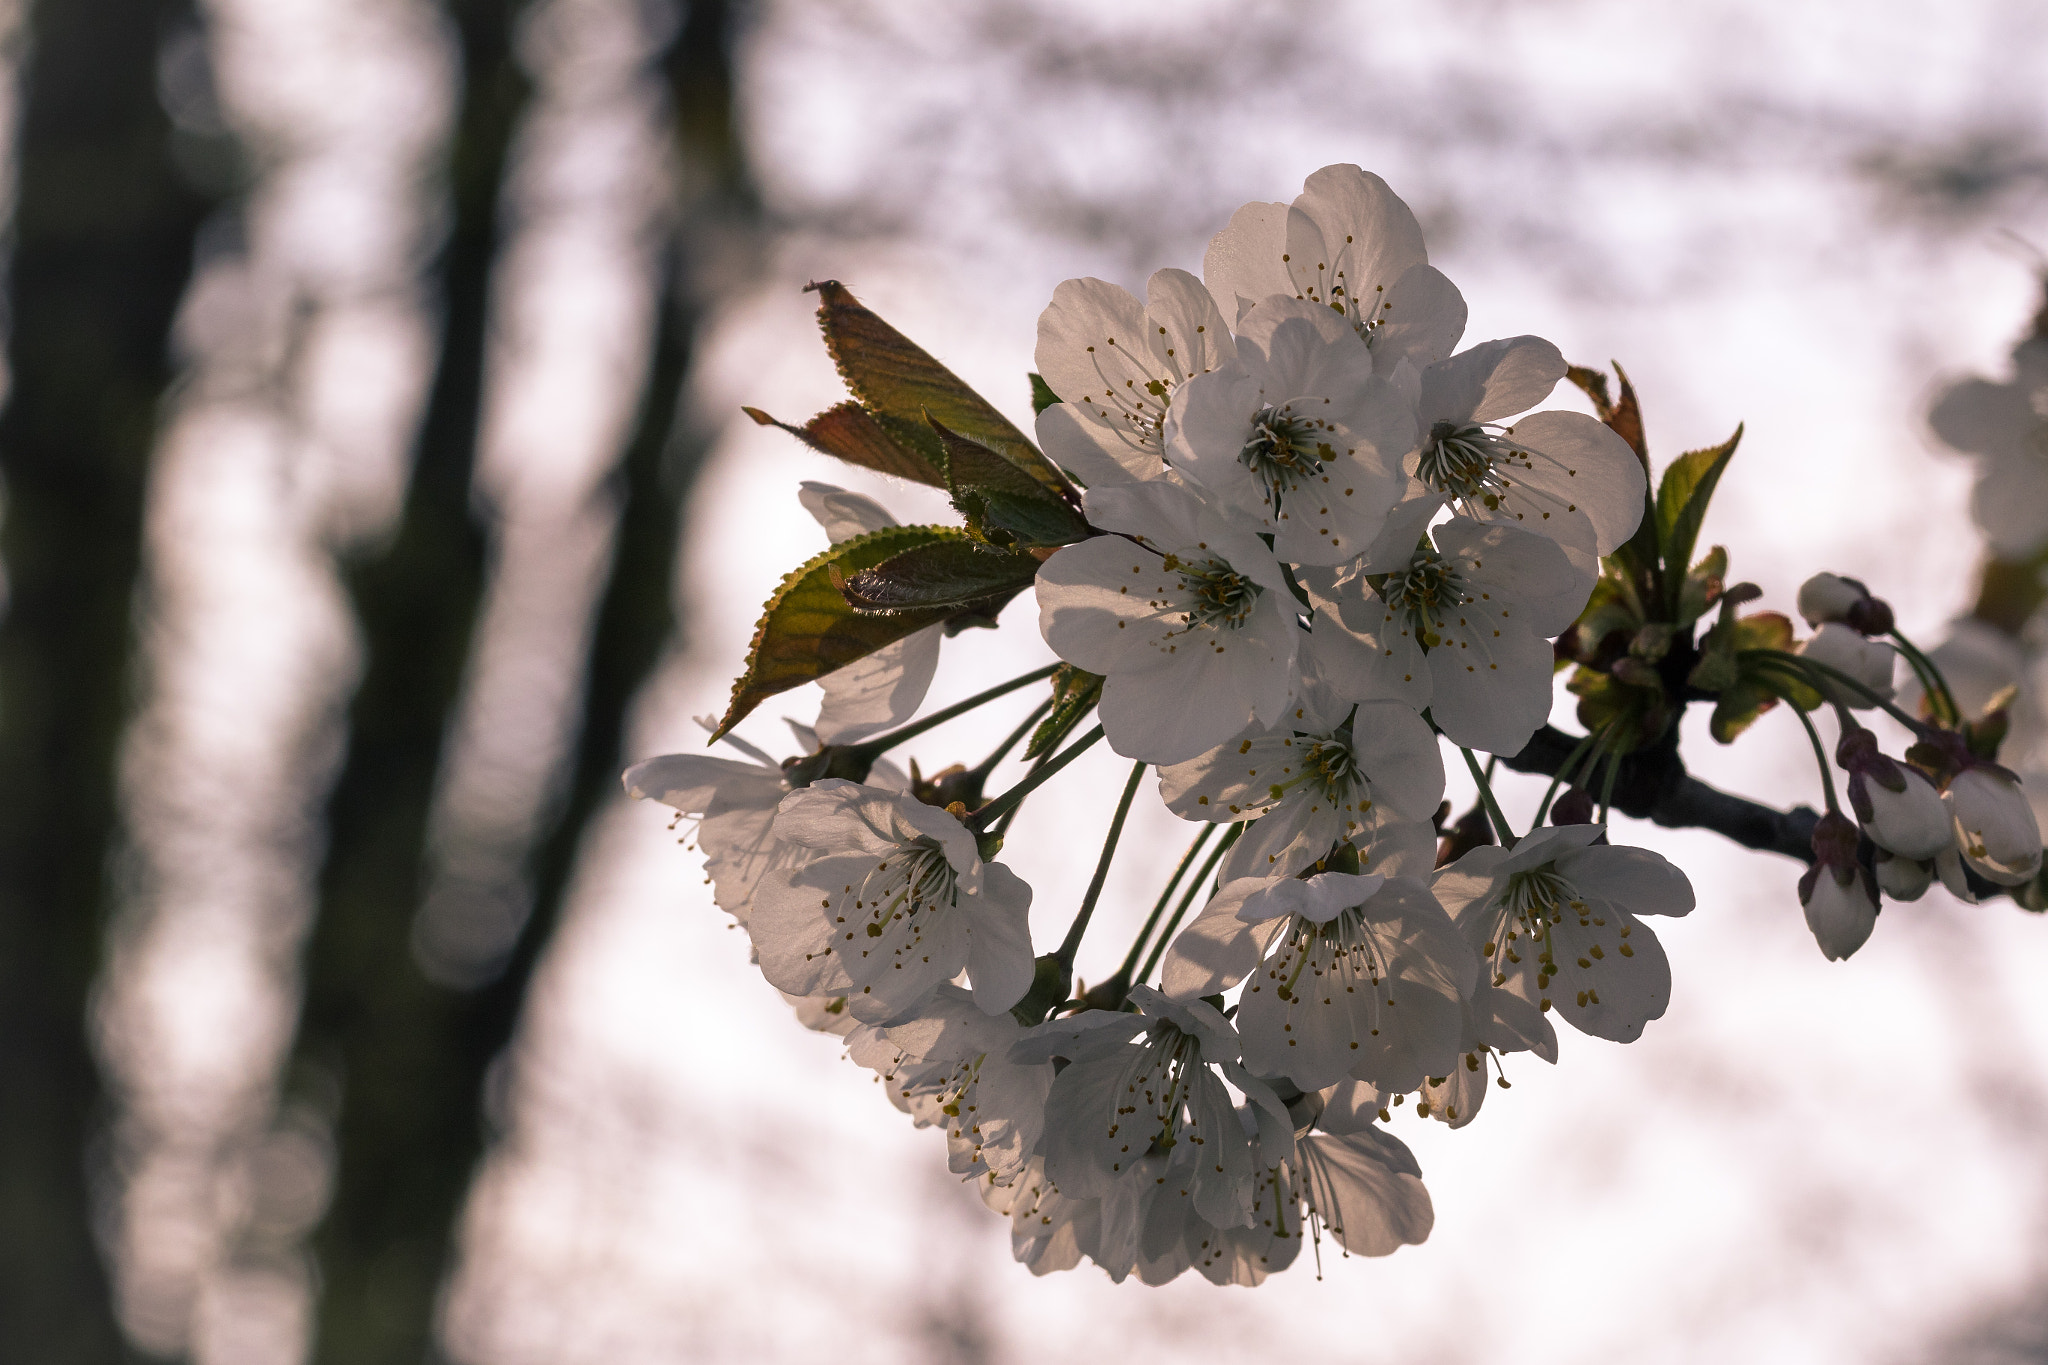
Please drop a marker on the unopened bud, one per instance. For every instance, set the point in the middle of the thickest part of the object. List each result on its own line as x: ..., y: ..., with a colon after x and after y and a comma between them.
x: 1827, y: 597
x: 1903, y: 879
x: 1994, y: 825
x: 1911, y: 823
x: 1841, y: 908
x: 1575, y: 807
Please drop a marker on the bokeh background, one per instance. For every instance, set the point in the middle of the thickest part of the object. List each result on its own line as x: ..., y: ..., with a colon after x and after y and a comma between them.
x: 375, y: 489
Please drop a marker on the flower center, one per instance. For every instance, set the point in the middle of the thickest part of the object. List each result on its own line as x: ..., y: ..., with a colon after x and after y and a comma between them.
x: 910, y: 880
x: 1284, y: 452
x: 1464, y: 464
x: 1423, y: 591
x: 1217, y: 595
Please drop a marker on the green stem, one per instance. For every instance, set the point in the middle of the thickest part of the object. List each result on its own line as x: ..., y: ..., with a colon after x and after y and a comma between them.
x: 1501, y: 828
x: 1187, y: 861
x: 1932, y: 682
x: 1181, y: 910
x: 1607, y: 786
x: 1564, y: 773
x: 1008, y: 801
x: 1820, y: 756
x: 881, y: 744
x: 1806, y: 667
x: 1072, y: 943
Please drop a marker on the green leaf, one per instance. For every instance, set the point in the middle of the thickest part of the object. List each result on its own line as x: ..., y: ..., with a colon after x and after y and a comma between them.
x: 1003, y: 505
x: 1702, y: 587
x: 1074, y: 694
x: 899, y: 382
x: 808, y: 628
x: 850, y: 432
x: 1737, y: 708
x: 946, y: 573
x: 1682, y: 497
x: 1042, y: 396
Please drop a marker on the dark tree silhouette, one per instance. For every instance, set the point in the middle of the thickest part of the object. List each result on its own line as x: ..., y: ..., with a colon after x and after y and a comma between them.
x: 408, y: 1057
x: 105, y: 232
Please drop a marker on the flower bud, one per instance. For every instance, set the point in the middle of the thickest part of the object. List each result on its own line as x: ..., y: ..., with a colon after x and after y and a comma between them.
x: 1575, y: 807
x: 1994, y: 825
x: 1827, y: 597
x: 1841, y: 912
x: 1903, y: 879
x: 1912, y: 823
x: 1867, y: 661
x: 1840, y: 902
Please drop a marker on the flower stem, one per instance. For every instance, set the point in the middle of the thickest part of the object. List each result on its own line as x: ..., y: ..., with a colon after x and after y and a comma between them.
x: 1808, y: 667
x: 1820, y: 756
x: 1009, y: 800
x: 1931, y: 680
x: 1607, y: 787
x: 881, y: 744
x: 1187, y: 899
x: 1501, y: 828
x: 1564, y: 773
x: 1123, y: 973
x: 1072, y: 943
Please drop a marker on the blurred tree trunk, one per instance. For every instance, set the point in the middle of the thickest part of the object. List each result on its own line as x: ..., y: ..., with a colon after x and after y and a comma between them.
x: 409, y: 1057
x: 105, y: 227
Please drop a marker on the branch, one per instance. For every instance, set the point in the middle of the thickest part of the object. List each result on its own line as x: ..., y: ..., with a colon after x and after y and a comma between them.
x: 1654, y: 786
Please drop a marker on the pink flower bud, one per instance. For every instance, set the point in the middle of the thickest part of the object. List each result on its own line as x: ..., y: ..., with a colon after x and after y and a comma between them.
x: 1828, y: 597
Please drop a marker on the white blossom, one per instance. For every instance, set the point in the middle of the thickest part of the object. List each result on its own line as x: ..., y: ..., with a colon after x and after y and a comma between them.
x: 2006, y: 427
x: 949, y: 1067
x: 1117, y: 365
x: 1188, y: 618
x: 1555, y: 922
x: 1349, y: 244
x: 1562, y: 474
x: 1346, y: 975
x: 1869, y: 662
x: 1299, y: 436
x: 1903, y: 879
x: 1331, y: 772
x: 1995, y: 826
x: 883, y: 899
x: 1462, y: 628
x: 1139, y: 1085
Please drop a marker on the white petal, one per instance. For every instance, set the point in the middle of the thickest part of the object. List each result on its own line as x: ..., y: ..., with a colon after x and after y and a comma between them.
x: 1368, y: 1191
x: 1587, y: 468
x: 1424, y: 318
x: 881, y: 690
x: 1643, y: 882
x: 999, y: 958
x: 844, y: 515
x: 1491, y: 381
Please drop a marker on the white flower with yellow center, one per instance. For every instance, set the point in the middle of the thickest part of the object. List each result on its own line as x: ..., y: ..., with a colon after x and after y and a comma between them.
x: 1116, y: 365
x: 1331, y: 772
x: 1141, y: 1087
x: 882, y: 899
x: 1348, y: 244
x: 1188, y: 618
x: 1555, y: 922
x: 1300, y: 436
x: 1561, y: 474
x: 1461, y: 628
x: 1346, y: 976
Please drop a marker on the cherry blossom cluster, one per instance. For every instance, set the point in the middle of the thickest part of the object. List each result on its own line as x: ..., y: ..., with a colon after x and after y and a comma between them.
x: 1322, y: 542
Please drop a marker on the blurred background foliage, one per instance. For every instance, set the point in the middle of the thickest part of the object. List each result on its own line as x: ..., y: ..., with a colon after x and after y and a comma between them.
x: 362, y: 356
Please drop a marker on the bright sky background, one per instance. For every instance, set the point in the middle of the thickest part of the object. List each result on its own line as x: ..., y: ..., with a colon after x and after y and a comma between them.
x: 1792, y: 215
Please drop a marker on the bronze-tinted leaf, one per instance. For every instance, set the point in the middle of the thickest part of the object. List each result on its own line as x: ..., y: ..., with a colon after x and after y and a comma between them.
x: 808, y: 629
x: 1004, y: 505
x: 850, y: 433
x: 946, y: 573
x: 899, y: 382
